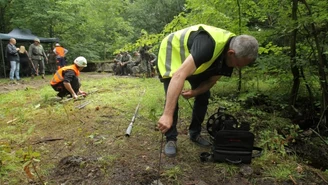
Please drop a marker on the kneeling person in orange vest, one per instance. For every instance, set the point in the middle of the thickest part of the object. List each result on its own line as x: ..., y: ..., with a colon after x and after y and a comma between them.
x: 66, y: 79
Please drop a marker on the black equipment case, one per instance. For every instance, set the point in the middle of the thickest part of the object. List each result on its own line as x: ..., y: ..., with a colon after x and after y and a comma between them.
x: 232, y: 142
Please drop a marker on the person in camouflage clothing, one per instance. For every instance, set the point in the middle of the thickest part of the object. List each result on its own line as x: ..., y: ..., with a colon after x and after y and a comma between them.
x: 133, y: 66
x: 152, y: 64
x: 126, y: 59
x: 146, y: 66
x: 148, y: 61
x: 37, y: 54
x: 117, y: 61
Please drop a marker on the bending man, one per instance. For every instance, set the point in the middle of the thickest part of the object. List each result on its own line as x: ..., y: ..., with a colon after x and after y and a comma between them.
x: 200, y: 54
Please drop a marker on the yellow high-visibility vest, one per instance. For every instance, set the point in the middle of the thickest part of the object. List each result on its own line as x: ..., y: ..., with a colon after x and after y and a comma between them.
x: 174, y: 50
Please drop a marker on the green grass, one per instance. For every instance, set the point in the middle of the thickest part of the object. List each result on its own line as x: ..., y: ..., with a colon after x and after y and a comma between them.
x: 27, y: 113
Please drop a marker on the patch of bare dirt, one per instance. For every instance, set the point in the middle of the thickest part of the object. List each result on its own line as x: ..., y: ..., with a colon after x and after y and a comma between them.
x: 24, y: 83
x: 37, y: 82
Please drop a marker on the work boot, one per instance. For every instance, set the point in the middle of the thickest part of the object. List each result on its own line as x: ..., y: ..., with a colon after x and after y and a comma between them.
x: 200, y: 141
x: 170, y: 149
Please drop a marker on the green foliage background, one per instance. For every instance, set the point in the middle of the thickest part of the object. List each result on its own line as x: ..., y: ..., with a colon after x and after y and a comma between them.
x: 99, y: 28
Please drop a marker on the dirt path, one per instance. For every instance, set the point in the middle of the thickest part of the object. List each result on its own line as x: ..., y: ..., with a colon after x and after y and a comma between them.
x: 7, y: 86
x: 27, y: 82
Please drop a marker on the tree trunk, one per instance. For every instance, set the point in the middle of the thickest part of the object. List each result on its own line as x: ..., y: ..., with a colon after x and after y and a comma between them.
x: 321, y: 66
x: 239, y: 72
x: 294, y: 67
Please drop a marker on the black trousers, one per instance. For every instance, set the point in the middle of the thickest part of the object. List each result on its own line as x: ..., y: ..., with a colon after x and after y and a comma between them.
x: 198, y: 112
x: 62, y: 91
x: 61, y: 62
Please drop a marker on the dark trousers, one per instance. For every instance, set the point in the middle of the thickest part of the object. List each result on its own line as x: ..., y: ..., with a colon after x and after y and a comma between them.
x: 62, y: 91
x: 25, y: 68
x: 198, y: 112
x: 122, y: 70
x: 61, y: 62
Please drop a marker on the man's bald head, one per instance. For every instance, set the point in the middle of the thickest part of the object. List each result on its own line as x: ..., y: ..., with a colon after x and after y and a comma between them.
x: 12, y: 41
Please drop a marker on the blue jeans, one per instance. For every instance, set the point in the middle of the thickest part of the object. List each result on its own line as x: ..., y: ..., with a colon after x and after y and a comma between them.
x: 14, y: 70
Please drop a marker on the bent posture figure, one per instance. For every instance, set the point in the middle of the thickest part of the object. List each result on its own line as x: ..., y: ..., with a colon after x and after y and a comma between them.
x: 66, y: 79
x: 200, y: 54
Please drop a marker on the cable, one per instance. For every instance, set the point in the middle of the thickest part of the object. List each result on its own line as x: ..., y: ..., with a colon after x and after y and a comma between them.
x: 160, y: 159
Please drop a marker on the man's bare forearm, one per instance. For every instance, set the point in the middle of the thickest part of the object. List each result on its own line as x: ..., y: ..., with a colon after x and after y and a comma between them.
x: 173, y: 92
x: 69, y: 88
x: 206, y: 85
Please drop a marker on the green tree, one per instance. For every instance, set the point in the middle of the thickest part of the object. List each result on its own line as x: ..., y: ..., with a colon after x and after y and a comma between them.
x: 4, y: 6
x: 106, y: 26
x: 152, y: 15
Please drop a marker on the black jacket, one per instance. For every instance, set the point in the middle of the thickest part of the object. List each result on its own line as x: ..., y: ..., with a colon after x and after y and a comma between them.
x: 12, y: 53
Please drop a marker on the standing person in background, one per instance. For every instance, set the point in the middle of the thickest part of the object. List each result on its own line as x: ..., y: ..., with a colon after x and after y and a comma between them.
x: 151, y: 64
x: 37, y: 56
x: 52, y: 61
x: 143, y: 67
x: 60, y: 55
x: 147, y: 61
x: 26, y: 64
x: 207, y: 54
x: 13, y: 58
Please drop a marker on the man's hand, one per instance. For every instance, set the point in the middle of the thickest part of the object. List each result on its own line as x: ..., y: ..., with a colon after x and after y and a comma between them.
x: 68, y: 87
x: 165, y: 123
x: 84, y: 94
x: 74, y: 96
x: 187, y: 94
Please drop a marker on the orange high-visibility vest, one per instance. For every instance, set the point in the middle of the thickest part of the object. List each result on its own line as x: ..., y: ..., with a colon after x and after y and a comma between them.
x: 58, y: 77
x: 60, y: 51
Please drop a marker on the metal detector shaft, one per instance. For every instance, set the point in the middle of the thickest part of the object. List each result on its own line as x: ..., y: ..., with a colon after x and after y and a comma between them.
x: 83, y: 105
x: 129, y: 129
